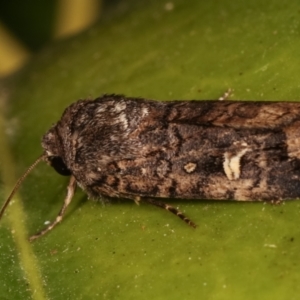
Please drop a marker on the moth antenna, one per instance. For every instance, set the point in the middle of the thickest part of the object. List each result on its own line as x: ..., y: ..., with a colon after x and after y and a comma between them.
x: 19, y: 182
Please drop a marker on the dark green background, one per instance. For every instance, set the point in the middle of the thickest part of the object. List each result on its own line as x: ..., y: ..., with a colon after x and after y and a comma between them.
x: 122, y: 251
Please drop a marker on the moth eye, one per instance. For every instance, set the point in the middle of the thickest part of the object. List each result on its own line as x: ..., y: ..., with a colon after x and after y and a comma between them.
x: 57, y: 163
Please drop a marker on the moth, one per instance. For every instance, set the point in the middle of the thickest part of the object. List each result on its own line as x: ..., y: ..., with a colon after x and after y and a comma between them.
x: 148, y: 151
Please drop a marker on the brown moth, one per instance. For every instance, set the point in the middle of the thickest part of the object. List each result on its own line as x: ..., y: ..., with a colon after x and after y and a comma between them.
x: 145, y: 150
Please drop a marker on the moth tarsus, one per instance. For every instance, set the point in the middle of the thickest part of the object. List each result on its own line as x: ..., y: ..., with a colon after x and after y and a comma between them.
x: 171, y: 209
x: 148, y: 151
x: 226, y: 95
x: 70, y: 193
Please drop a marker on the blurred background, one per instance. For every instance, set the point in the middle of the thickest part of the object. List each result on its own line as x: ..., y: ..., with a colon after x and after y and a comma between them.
x: 161, y: 50
x: 27, y: 26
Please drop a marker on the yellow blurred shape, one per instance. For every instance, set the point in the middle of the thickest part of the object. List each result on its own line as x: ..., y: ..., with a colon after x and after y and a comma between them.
x: 13, y: 54
x: 74, y: 16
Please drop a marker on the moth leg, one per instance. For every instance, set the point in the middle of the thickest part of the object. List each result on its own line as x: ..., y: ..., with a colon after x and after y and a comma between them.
x: 225, y: 95
x: 276, y: 202
x: 171, y: 209
x: 70, y: 193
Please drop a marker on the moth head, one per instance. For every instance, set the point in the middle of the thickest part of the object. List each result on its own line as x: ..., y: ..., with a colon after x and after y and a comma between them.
x: 53, y: 149
x: 51, y: 155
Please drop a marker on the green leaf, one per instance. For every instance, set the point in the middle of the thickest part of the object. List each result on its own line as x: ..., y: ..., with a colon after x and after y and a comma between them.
x: 176, y: 50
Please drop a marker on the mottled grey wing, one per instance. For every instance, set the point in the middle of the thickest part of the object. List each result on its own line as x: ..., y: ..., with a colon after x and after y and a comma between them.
x: 211, y: 150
